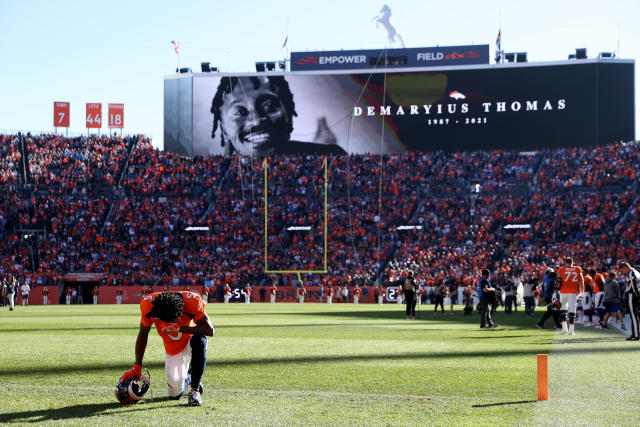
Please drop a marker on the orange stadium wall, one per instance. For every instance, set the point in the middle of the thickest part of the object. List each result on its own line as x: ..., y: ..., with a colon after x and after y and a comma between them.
x: 132, y: 295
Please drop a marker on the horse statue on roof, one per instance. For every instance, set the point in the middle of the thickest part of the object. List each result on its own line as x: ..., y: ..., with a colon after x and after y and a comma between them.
x: 385, y: 19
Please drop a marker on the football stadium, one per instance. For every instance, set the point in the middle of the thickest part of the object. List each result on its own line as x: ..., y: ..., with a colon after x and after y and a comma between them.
x: 435, y: 235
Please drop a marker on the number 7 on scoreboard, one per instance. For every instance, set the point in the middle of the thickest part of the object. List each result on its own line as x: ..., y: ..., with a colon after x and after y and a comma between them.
x: 61, y: 114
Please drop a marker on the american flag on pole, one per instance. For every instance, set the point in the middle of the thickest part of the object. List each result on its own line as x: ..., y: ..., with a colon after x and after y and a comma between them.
x: 176, y: 47
x: 499, y: 39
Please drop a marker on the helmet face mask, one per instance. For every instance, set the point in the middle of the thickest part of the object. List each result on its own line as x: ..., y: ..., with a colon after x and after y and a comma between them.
x: 131, y: 390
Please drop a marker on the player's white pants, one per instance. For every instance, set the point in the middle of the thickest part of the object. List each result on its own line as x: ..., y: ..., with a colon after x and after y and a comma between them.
x: 11, y: 300
x: 95, y: 299
x: 68, y: 299
x: 247, y: 298
x: 45, y: 300
x: 380, y: 299
x: 176, y: 370
x: 226, y: 298
x: 568, y: 302
x: 418, y: 299
x: 356, y: 298
x: 330, y: 300
x: 399, y: 301
x: 301, y: 299
x: 273, y: 298
x: 118, y: 299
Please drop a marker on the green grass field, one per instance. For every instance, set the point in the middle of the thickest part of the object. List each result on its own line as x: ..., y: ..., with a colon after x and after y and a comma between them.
x: 312, y: 364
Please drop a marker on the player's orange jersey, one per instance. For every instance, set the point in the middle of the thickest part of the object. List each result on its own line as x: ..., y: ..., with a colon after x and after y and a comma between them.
x: 174, y: 343
x: 588, y: 281
x: 570, y: 277
x: 598, y: 283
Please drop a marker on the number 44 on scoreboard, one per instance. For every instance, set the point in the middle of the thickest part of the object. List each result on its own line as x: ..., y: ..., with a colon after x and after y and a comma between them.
x: 94, y: 115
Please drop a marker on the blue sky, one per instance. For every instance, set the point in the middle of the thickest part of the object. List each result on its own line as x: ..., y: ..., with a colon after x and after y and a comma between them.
x: 118, y: 51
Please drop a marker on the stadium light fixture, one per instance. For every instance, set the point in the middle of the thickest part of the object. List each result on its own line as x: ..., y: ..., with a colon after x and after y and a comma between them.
x: 196, y: 229
x: 521, y: 57
x: 606, y: 55
x: 205, y: 67
x: 260, y: 67
x: 510, y: 57
x: 517, y: 226
x: 409, y: 227
x: 581, y: 53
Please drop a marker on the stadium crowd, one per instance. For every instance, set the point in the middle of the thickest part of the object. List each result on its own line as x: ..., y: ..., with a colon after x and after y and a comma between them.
x: 83, y: 218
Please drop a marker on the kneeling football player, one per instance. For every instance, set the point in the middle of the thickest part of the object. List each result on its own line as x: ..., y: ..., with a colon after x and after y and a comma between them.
x: 183, y: 324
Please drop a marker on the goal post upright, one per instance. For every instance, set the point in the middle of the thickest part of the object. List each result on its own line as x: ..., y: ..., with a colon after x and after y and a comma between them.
x: 266, y: 225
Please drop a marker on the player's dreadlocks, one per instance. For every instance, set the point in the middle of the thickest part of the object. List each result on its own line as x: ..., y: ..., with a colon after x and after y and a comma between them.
x: 276, y: 83
x: 167, y: 306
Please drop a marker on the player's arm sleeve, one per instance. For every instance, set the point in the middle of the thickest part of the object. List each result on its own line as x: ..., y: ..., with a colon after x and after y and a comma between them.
x: 198, y: 310
x: 145, y: 309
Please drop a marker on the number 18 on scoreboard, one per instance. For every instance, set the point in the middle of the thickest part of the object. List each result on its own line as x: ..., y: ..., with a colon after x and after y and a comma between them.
x: 116, y: 116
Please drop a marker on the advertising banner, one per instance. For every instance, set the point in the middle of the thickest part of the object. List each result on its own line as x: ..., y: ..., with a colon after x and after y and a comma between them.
x: 510, y: 106
x: 390, y: 58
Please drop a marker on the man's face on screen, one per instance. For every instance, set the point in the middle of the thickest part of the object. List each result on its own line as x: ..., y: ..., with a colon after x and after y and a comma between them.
x: 253, y: 119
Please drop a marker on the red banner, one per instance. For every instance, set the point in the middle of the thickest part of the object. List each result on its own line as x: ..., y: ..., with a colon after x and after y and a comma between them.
x: 116, y: 116
x: 94, y: 115
x: 133, y: 294
x: 61, y: 114
x: 290, y: 294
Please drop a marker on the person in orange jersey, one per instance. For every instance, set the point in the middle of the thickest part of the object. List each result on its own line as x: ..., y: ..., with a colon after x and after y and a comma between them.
x: 571, y: 286
x: 183, y: 325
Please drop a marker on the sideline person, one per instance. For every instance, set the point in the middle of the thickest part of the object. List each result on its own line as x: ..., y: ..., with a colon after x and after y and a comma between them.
x: 633, y: 297
x: 612, y: 299
x: 24, y: 293
x: 409, y: 288
x: 487, y: 294
x: 12, y: 290
x: 571, y: 287
x: 184, y: 326
x: 255, y: 117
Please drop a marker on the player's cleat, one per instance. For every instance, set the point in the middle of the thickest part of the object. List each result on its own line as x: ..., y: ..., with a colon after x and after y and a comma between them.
x: 564, y: 328
x: 493, y: 326
x: 571, y: 330
x: 631, y: 339
x: 195, y: 398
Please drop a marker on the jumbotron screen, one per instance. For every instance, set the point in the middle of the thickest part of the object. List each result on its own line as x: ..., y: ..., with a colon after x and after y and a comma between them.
x: 511, y: 106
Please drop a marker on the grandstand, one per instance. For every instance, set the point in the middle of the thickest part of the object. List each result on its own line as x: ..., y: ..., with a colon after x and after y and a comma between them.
x: 118, y: 207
